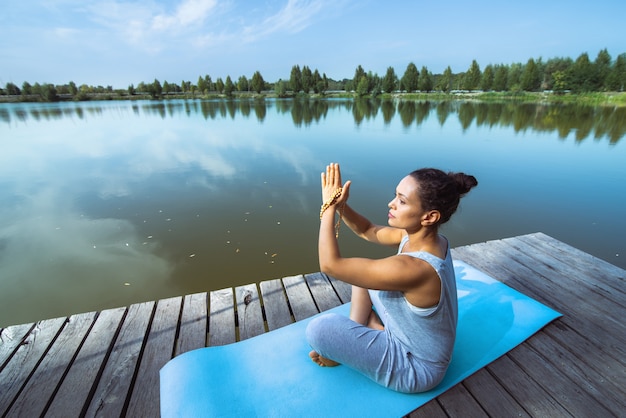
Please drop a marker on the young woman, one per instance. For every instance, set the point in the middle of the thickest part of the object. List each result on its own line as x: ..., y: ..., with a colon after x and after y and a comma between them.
x: 403, y: 313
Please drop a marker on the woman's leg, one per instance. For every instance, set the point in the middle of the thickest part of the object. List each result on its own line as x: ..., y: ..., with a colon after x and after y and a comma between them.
x: 360, y: 306
x: 362, y: 313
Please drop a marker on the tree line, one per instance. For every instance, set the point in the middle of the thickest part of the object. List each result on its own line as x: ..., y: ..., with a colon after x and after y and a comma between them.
x: 559, y: 75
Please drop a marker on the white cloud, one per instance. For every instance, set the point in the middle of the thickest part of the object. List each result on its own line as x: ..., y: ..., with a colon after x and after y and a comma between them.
x: 189, y: 12
x: 294, y: 17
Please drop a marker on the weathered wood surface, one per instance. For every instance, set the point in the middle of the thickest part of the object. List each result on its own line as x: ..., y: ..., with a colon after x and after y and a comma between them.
x: 107, y: 363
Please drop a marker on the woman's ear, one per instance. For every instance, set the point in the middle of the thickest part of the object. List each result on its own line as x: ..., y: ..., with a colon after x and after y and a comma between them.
x: 431, y: 218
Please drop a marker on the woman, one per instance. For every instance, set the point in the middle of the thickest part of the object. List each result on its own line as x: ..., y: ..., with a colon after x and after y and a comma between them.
x: 403, y: 313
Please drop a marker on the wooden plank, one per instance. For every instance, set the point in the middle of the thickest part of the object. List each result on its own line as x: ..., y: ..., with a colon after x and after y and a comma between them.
x: 75, y: 390
x: 601, y: 359
x: 343, y: 289
x: 607, y: 386
x: 114, y: 385
x: 492, y: 397
x: 566, y: 266
x: 322, y: 291
x: 10, y: 339
x: 568, y: 393
x: 25, y: 359
x: 458, y: 402
x: 159, y: 349
x: 431, y: 409
x: 193, y: 323
x: 535, y: 399
x: 39, y: 389
x: 222, y: 317
x: 608, y: 274
x: 249, y: 313
x: 275, y: 303
x: 575, y: 298
x: 489, y: 258
x: 300, y: 299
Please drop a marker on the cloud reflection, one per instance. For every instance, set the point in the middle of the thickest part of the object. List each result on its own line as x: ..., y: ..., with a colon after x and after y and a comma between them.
x: 62, y: 262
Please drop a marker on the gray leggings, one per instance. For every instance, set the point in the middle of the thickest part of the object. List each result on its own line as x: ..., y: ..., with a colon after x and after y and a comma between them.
x: 374, y: 353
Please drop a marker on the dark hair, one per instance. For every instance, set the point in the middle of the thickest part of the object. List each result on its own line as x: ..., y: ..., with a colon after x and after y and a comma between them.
x: 442, y: 191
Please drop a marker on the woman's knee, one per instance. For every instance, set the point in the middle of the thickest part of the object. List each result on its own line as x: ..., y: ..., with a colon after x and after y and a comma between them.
x: 319, y: 329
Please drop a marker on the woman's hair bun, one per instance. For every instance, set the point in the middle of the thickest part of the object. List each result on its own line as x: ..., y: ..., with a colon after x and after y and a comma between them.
x: 464, y: 182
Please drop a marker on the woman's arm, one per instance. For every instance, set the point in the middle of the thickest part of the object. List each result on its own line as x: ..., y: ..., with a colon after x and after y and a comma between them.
x: 361, y: 226
x: 392, y: 273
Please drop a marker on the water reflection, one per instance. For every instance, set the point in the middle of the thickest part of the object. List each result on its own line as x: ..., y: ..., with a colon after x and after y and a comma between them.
x: 584, y: 121
x: 109, y: 203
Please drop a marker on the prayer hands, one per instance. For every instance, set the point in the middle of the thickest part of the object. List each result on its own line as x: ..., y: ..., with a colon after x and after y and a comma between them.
x: 331, y: 182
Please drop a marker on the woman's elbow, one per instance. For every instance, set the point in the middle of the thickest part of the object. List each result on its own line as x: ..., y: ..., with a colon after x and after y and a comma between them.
x: 327, y: 266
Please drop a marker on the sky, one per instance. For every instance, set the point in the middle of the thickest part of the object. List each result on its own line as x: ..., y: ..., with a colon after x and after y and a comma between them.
x: 121, y: 42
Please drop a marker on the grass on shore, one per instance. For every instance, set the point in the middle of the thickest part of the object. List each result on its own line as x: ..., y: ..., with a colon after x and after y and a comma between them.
x: 591, y: 99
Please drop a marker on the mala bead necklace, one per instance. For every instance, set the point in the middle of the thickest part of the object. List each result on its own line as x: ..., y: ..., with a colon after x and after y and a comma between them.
x: 328, y: 204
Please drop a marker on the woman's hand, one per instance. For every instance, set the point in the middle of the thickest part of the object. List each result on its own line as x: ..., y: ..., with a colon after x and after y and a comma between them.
x: 331, y: 181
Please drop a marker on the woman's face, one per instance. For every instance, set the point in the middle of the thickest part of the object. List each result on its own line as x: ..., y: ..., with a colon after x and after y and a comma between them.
x: 405, y: 210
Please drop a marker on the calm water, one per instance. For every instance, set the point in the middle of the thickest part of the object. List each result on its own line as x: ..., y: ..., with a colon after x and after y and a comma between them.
x: 109, y: 203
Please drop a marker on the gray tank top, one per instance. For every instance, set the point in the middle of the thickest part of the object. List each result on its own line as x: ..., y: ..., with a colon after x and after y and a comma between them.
x: 428, y: 334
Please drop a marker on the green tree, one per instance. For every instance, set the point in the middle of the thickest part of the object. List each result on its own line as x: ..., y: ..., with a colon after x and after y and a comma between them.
x: 553, y: 65
x: 12, y: 89
x: 471, y: 81
x: 359, y: 73
x: 560, y: 81
x: 319, y: 86
x: 500, y: 78
x: 257, y: 84
x: 602, y: 66
x: 155, y: 89
x: 362, y: 87
x: 131, y: 90
x: 201, y: 85
x: 486, y: 82
x: 410, y: 79
x: 280, y: 88
x: 514, y: 77
x: 49, y: 93
x: 27, y: 88
x: 425, y: 80
x: 616, y: 80
x: 531, y: 77
x: 445, y: 82
x: 219, y: 85
x: 167, y: 87
x: 390, y: 80
x: 242, y: 84
x: 229, y: 87
x: 307, y: 79
x: 582, y: 75
x: 72, y: 88
x: 295, y: 79
x: 208, y: 83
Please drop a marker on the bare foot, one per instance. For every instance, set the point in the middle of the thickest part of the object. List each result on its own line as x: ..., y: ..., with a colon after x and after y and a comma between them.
x: 322, y: 361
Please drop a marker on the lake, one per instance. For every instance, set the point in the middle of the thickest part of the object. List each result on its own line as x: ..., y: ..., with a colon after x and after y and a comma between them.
x: 110, y: 203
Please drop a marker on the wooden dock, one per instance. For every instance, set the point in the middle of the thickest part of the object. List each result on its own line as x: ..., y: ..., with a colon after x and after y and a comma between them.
x: 107, y: 363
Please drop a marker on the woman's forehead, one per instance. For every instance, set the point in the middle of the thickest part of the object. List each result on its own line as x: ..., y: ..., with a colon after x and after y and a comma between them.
x: 407, y: 186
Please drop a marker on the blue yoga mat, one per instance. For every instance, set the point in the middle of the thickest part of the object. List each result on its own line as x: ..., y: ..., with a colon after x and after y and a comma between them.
x: 271, y: 375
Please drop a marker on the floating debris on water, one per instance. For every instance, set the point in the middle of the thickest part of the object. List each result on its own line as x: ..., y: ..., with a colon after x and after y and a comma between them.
x: 192, y: 255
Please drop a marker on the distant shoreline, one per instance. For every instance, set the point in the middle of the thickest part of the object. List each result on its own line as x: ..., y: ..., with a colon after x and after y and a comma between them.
x: 613, y: 99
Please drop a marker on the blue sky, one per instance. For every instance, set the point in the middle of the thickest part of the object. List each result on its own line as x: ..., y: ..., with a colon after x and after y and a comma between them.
x: 119, y: 42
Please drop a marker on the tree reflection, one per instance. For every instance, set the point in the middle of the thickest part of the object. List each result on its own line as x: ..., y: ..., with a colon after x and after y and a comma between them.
x: 581, y: 121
